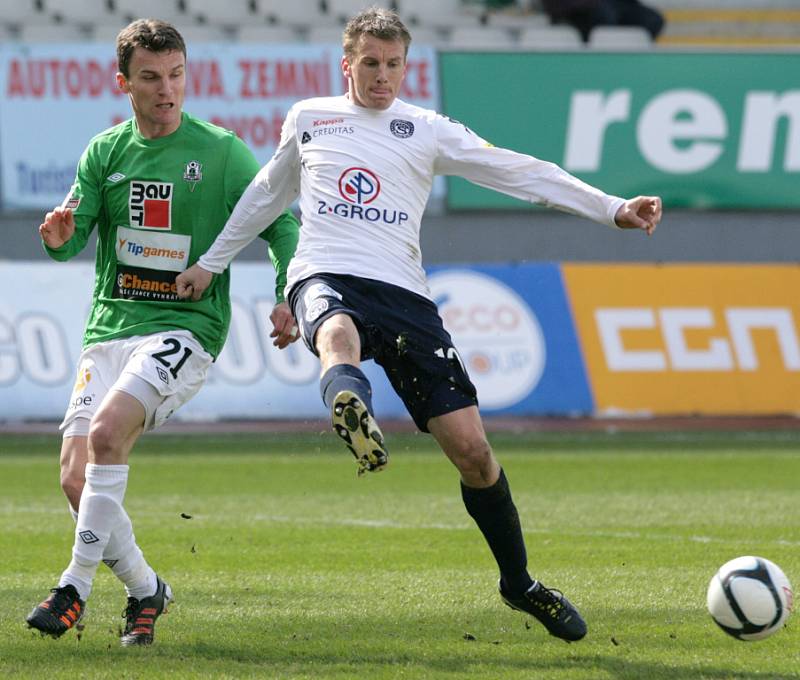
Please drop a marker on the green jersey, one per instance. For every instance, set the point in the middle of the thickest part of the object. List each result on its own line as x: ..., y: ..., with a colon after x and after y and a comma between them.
x: 158, y: 205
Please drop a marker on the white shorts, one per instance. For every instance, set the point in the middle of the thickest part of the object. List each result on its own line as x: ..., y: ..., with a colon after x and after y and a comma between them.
x: 173, y: 363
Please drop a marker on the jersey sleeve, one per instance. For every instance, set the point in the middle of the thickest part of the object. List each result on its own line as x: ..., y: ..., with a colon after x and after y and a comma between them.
x: 461, y: 152
x: 282, y: 235
x: 85, y: 201
x: 268, y: 195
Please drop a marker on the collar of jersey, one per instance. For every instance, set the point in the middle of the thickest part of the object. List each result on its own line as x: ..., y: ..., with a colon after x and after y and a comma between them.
x: 157, y: 141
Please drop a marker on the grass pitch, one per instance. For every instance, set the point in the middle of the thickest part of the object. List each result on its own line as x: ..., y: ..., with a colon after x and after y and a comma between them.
x: 285, y: 565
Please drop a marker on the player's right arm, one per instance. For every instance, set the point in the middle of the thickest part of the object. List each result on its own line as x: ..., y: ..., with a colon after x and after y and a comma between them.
x: 66, y: 229
x: 272, y: 190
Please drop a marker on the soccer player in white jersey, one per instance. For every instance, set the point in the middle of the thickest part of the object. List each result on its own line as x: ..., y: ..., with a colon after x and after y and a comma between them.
x: 363, y: 164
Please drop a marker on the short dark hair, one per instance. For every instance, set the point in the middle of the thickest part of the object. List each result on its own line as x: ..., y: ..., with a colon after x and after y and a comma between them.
x: 151, y: 34
x: 378, y: 22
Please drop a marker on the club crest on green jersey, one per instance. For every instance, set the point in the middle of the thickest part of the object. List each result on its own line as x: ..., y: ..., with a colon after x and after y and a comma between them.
x: 193, y: 174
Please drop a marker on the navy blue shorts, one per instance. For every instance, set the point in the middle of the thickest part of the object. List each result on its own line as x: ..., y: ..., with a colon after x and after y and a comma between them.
x: 400, y: 330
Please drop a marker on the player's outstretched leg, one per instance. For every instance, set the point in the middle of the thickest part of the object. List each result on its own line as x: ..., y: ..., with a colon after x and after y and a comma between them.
x: 356, y: 427
x: 58, y: 613
x: 495, y: 513
x: 551, y: 608
x: 141, y: 615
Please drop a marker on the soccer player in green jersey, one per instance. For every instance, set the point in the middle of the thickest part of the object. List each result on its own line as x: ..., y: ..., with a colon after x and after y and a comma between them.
x: 159, y: 187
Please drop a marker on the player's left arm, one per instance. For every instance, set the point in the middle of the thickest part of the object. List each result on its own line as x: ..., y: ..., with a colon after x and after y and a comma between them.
x: 462, y: 152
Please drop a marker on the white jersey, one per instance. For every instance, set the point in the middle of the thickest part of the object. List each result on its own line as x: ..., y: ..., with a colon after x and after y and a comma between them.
x: 364, y: 177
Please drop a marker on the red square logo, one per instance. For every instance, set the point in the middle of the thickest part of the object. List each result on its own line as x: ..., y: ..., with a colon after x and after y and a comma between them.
x: 156, y: 214
x: 150, y: 205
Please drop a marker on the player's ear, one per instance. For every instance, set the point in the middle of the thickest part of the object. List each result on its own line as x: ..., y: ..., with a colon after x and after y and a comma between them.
x: 346, y: 70
x: 122, y: 83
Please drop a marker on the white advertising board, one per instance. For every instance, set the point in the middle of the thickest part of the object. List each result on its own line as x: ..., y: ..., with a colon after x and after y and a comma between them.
x: 42, y: 313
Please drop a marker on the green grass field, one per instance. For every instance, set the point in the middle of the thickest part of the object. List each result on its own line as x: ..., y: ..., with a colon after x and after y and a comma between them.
x: 291, y: 567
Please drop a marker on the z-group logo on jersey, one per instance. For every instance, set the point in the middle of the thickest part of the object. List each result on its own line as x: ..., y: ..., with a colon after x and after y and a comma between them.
x: 150, y: 205
x: 359, y: 187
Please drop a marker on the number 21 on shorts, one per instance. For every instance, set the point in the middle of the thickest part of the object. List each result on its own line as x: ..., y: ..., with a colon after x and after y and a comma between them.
x: 167, y: 356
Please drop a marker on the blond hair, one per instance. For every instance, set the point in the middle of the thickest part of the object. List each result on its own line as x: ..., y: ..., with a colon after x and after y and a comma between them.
x: 378, y: 22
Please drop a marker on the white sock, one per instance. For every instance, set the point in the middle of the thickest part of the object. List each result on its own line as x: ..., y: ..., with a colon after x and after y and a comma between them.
x: 100, y: 513
x: 124, y: 557
x: 128, y: 564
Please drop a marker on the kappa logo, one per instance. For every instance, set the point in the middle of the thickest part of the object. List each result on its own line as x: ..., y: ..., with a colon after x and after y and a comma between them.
x: 359, y: 185
x: 150, y: 205
x: 327, y: 121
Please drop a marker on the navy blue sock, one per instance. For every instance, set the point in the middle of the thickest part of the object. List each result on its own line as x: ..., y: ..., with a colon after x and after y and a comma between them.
x: 494, y: 512
x: 345, y: 377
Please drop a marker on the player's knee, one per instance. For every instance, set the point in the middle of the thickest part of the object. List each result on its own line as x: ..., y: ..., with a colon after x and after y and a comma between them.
x: 472, y: 457
x: 105, y: 441
x: 72, y: 482
x: 338, y: 339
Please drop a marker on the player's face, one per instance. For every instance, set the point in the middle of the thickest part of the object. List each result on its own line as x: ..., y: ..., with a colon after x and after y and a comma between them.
x: 375, y: 71
x: 156, y: 84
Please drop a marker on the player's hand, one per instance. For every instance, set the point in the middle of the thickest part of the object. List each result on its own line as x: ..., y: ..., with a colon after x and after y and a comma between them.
x: 57, y: 228
x: 193, y: 282
x: 642, y: 212
x: 284, y: 328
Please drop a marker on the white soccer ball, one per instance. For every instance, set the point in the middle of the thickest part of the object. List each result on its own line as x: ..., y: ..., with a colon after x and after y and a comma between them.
x: 749, y: 598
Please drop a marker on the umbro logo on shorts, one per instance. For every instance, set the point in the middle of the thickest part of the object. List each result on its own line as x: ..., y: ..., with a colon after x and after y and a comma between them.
x: 88, y: 537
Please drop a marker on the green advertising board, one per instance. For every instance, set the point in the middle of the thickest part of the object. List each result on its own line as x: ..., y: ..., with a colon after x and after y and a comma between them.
x: 701, y: 130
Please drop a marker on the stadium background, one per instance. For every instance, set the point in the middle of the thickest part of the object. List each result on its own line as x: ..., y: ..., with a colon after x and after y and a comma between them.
x: 554, y: 315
